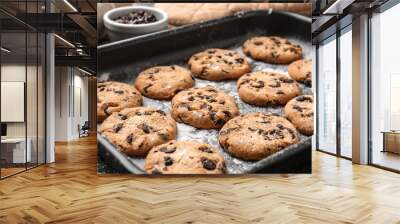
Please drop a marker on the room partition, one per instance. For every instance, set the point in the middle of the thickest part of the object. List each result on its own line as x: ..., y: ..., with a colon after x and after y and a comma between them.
x: 23, y: 88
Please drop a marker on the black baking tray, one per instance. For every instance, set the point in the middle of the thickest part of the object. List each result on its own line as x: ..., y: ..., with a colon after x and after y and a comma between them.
x: 123, y: 60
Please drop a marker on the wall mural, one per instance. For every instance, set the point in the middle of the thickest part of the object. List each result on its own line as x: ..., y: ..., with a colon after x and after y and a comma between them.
x: 204, y: 88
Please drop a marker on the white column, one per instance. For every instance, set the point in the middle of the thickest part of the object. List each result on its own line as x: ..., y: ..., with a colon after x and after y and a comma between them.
x: 50, y: 99
x: 360, y: 90
x: 314, y: 90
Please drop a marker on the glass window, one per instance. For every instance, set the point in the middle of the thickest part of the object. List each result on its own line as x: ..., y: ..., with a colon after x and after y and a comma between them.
x: 14, y: 153
x: 327, y: 96
x: 22, y: 94
x: 346, y: 93
x: 385, y: 89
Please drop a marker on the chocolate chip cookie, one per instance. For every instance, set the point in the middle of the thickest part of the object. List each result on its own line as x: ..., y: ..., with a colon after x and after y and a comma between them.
x: 135, y: 131
x: 267, y: 88
x: 184, y: 157
x: 257, y: 135
x: 271, y: 49
x: 163, y: 82
x: 218, y: 64
x: 300, y: 71
x: 300, y: 112
x: 204, y: 107
x: 115, y: 96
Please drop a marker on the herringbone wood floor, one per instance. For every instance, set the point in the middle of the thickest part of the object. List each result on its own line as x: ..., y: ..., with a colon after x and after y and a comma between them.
x: 70, y: 191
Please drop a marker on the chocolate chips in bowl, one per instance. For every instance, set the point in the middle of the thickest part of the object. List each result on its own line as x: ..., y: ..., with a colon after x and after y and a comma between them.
x: 133, y: 21
x: 137, y: 17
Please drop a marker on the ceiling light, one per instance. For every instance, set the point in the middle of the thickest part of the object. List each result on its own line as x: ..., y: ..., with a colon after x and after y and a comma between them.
x: 84, y: 71
x: 5, y: 50
x: 65, y: 41
x: 337, y: 7
x: 70, y: 5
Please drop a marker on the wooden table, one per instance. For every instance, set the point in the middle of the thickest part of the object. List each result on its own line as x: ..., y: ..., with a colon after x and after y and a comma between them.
x: 391, y: 141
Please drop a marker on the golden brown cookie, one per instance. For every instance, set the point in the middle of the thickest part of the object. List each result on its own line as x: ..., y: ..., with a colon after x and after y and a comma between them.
x: 218, y: 64
x: 184, y: 157
x: 275, y: 50
x: 300, y: 111
x: 135, y: 131
x: 204, y: 107
x: 267, y: 88
x: 163, y: 82
x: 255, y: 136
x: 115, y: 96
x: 300, y: 71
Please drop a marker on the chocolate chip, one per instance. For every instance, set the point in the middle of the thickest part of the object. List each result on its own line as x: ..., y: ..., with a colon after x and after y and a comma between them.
x: 308, y: 82
x: 220, y: 122
x: 139, y: 113
x: 168, y: 161
x: 244, y: 81
x: 286, y: 80
x: 117, y: 127
x: 129, y: 139
x: 213, y: 115
x: 280, y: 92
x: 229, y: 130
x: 227, y: 113
x: 298, y: 108
x: 145, y: 89
x: 122, y: 117
x: 172, y: 67
x: 257, y: 43
x: 208, y: 164
x: 106, y: 110
x: 258, y: 84
x: 304, y: 98
x: 205, y: 149
x: 101, y: 89
x: 190, y: 98
x: 252, y: 129
x: 274, y: 54
x: 146, y: 128
x: 119, y: 92
x: 163, y: 136
x: 239, y: 60
x: 281, y: 127
x: 275, y: 134
x: 137, y: 17
x: 167, y: 150
x: 293, y: 50
x: 161, y: 112
x: 155, y: 171
x: 203, y: 71
x: 292, y: 134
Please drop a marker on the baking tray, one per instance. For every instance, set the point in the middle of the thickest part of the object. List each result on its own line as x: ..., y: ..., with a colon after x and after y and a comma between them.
x: 123, y: 60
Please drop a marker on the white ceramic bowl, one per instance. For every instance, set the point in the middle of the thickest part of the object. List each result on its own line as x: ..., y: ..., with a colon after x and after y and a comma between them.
x: 118, y: 31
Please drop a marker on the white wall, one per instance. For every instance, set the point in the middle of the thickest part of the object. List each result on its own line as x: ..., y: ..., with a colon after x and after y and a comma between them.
x: 70, y: 83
